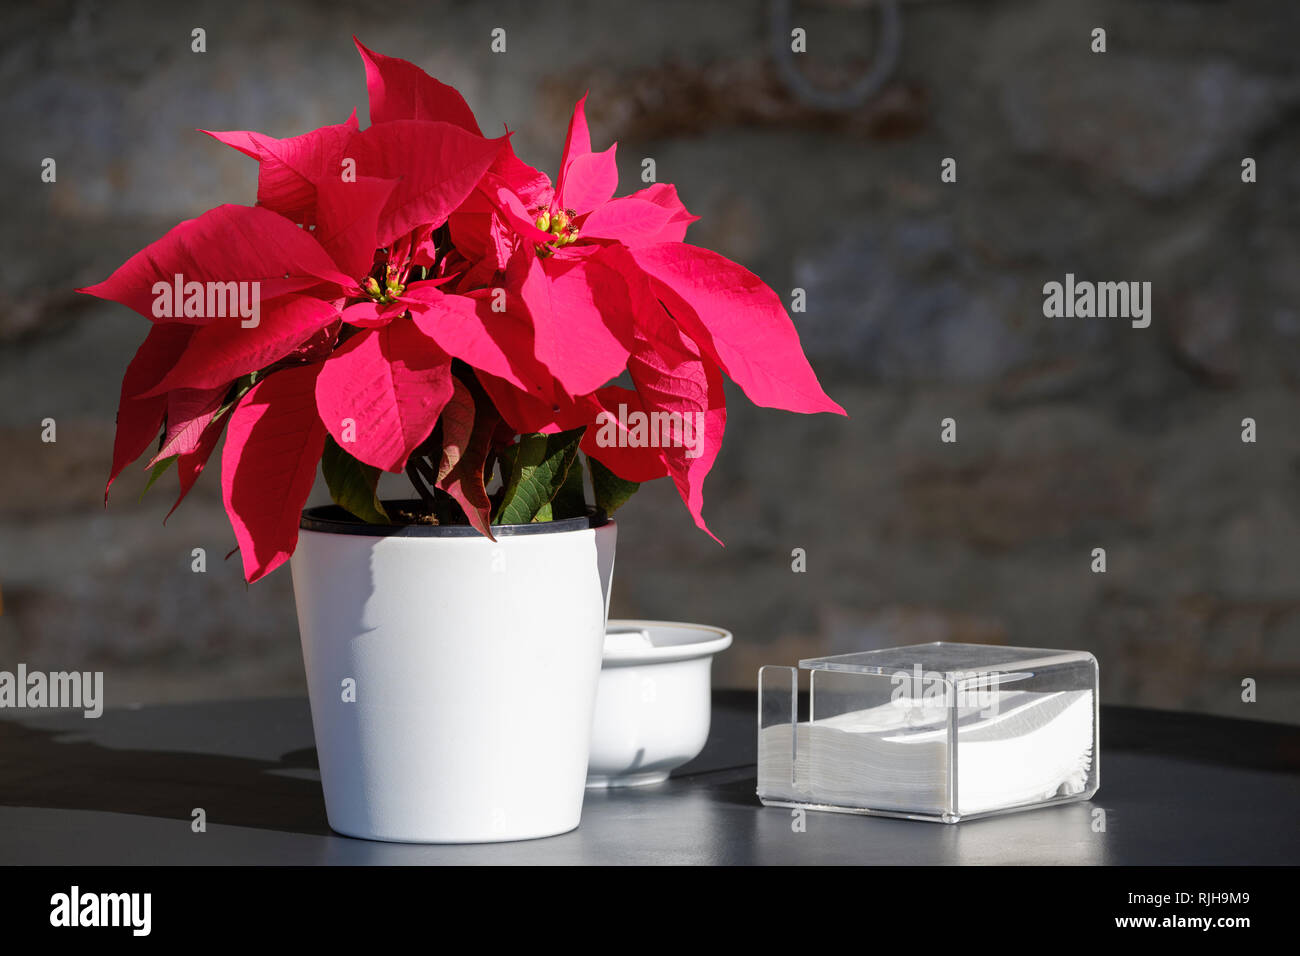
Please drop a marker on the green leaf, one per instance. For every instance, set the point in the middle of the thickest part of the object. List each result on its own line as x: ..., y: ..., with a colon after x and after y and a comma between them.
x: 241, y: 388
x: 611, y: 491
x: 571, y: 500
x: 538, y: 469
x: 157, y: 472
x: 352, y: 484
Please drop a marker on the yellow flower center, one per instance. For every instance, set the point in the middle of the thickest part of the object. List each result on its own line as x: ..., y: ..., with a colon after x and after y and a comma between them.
x: 560, y: 225
x: 389, y: 291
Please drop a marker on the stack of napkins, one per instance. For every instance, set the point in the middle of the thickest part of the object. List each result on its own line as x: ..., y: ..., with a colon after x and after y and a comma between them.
x: 1031, y: 746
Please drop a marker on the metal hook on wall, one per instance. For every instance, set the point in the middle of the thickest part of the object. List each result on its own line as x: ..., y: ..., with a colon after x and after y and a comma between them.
x: 863, y: 88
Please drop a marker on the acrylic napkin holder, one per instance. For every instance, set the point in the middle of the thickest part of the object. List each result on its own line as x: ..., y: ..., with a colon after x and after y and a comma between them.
x: 940, y: 732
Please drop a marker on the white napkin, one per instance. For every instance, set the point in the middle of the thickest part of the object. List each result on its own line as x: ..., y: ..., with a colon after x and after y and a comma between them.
x: 1035, y: 747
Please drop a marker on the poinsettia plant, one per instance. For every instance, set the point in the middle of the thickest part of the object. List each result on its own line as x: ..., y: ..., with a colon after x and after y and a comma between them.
x: 412, y: 297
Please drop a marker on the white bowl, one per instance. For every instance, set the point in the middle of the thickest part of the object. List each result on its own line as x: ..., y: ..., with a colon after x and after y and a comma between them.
x: 653, y: 700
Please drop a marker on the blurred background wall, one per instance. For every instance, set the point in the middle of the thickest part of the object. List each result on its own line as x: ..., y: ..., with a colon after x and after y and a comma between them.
x: 924, y: 302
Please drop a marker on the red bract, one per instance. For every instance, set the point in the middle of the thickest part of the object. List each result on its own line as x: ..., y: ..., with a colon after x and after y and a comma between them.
x: 417, y: 294
x: 273, y: 446
x: 381, y: 393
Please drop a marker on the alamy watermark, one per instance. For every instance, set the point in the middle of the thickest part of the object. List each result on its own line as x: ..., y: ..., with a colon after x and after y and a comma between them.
x: 74, y: 908
x: 208, y: 300
x: 57, y: 689
x: 976, y: 690
x: 639, y: 429
x: 1102, y: 300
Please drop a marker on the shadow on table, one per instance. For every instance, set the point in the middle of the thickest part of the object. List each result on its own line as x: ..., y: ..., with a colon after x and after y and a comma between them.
x: 164, y: 762
x: 55, y: 769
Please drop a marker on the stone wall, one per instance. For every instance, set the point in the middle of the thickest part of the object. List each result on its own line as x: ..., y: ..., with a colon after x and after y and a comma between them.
x: 924, y: 302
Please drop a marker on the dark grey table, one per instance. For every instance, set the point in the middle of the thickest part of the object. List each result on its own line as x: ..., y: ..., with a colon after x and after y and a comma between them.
x: 1176, y: 789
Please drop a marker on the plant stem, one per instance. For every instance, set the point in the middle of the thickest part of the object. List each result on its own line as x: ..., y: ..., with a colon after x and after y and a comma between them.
x: 413, y: 473
x: 424, y: 467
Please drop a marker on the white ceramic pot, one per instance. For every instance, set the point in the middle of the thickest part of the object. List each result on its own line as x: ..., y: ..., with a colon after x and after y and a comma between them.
x: 654, y: 704
x: 452, y: 678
